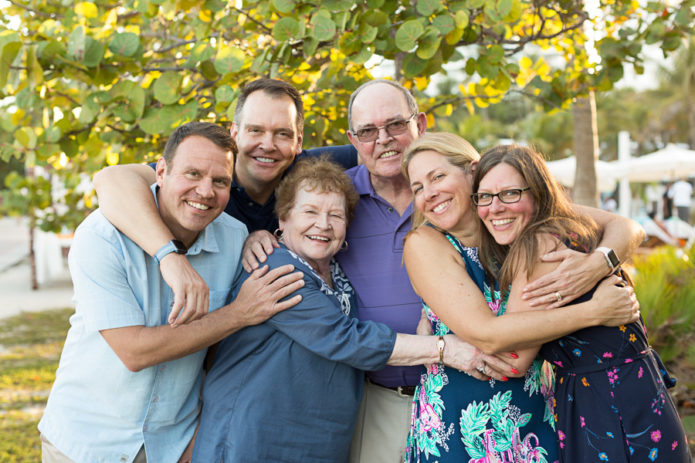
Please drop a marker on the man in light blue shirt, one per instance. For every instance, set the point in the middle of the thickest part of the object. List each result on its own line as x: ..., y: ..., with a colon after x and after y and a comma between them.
x: 127, y: 387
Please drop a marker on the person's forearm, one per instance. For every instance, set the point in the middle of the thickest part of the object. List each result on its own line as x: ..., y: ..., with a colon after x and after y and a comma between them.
x: 142, y: 347
x: 126, y: 201
x: 528, y: 329
x: 412, y: 349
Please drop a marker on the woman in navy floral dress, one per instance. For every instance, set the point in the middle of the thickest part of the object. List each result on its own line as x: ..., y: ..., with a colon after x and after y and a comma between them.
x: 612, y: 402
x: 455, y: 417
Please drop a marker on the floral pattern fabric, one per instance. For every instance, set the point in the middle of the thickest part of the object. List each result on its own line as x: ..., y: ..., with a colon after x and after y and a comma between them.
x: 612, y: 398
x: 458, y: 418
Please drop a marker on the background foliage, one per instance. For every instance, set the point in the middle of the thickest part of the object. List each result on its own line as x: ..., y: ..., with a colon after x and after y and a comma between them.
x: 93, y: 83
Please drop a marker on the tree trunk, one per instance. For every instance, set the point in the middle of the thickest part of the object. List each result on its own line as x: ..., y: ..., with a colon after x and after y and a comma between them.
x: 32, y: 257
x: 585, y: 189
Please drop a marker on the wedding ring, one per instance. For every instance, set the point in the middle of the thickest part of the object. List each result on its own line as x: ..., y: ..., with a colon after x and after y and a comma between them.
x: 482, y: 368
x: 558, y: 296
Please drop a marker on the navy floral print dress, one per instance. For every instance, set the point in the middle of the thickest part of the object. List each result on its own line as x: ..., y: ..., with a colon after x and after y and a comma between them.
x: 457, y: 418
x: 612, y: 402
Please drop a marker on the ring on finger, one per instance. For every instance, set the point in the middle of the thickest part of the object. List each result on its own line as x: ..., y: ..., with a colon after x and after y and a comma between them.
x: 482, y: 368
x: 558, y: 296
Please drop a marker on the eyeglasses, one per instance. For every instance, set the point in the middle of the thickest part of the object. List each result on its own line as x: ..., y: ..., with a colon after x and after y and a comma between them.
x: 393, y: 128
x: 510, y: 196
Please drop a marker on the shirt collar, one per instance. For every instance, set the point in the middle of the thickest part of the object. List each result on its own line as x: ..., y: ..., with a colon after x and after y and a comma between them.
x: 363, y: 184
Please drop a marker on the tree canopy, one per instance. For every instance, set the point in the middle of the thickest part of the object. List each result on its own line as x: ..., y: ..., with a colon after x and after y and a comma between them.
x: 87, y: 84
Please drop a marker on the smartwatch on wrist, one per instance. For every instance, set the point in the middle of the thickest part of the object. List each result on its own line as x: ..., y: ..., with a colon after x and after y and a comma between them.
x: 172, y: 246
x: 611, y: 259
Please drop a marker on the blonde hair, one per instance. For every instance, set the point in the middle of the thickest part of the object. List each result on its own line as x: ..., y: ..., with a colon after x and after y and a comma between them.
x: 456, y: 150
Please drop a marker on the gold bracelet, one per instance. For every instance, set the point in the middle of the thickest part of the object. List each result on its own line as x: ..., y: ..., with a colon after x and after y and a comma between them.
x: 440, y: 345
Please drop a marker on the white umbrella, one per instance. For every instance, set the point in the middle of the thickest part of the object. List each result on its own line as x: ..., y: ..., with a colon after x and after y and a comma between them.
x: 669, y: 163
x: 564, y: 169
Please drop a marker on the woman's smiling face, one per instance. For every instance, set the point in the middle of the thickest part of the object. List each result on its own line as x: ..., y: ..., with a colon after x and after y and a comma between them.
x: 505, y: 221
x: 441, y: 191
x: 315, y: 227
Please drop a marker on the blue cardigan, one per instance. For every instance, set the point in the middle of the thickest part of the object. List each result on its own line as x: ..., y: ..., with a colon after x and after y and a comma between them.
x: 288, y: 390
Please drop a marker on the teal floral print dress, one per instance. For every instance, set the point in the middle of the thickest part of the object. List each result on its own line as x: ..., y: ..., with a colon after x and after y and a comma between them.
x: 457, y: 418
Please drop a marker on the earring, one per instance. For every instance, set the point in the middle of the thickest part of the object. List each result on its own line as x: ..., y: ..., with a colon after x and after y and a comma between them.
x: 344, y: 246
x: 277, y: 234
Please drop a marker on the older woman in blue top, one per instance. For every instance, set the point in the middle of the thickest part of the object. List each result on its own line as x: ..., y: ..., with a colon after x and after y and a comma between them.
x: 289, y: 389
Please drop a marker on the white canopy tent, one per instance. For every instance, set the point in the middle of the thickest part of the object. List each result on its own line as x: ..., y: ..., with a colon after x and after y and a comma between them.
x: 669, y: 163
x: 563, y: 170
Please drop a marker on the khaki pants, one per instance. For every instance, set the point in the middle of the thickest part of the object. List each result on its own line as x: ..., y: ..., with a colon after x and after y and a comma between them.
x: 50, y: 454
x: 382, y: 426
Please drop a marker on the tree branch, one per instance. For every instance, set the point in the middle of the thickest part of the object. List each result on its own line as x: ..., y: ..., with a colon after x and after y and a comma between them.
x: 36, y: 12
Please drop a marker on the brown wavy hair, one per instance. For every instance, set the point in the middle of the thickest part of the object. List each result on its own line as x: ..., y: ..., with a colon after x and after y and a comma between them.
x: 553, y: 215
x: 317, y: 174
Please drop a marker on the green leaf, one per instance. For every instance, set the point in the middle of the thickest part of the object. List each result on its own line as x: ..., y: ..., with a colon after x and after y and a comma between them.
x: 309, y: 46
x: 375, y: 18
x: 408, y: 34
x: 504, y: 7
x: 362, y: 56
x: 428, y: 45
x: 90, y: 108
x: 77, y: 43
x: 26, y: 137
x: 46, y: 150
x: 52, y: 134
x: 375, y: 4
x: 444, y: 22
x: 475, y: 3
x: 27, y: 99
x: 225, y: 94
x: 8, y: 54
x: 124, y: 43
x: 337, y: 5
x: 94, y: 52
x: 166, y: 87
x: 368, y: 33
x: 200, y: 52
x: 284, y: 6
x: 324, y: 28
x: 133, y: 106
x: 285, y: 29
x: 412, y: 65
x: 230, y: 60
x: 495, y: 54
x: 683, y: 17
x: 428, y: 7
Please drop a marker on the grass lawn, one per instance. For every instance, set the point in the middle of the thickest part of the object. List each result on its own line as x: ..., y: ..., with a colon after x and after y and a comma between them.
x: 30, y: 346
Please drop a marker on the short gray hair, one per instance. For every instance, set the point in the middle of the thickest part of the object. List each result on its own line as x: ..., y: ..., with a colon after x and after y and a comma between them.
x: 409, y: 98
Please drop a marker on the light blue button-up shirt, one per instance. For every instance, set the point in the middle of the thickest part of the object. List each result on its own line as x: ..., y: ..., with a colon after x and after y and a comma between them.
x: 98, y: 410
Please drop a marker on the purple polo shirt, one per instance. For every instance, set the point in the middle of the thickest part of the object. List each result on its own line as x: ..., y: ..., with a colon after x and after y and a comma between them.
x: 374, y: 265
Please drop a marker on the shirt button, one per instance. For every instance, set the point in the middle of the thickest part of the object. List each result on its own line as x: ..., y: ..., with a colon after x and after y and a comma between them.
x: 145, y: 428
x: 390, y: 209
x: 250, y: 204
x: 162, y: 368
x: 155, y: 399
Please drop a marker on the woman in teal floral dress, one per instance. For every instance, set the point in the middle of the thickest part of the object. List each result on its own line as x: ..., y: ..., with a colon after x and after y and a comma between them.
x: 511, y: 420
x: 455, y: 417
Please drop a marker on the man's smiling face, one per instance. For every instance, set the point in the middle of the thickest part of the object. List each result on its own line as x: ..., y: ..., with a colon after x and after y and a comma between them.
x: 267, y: 138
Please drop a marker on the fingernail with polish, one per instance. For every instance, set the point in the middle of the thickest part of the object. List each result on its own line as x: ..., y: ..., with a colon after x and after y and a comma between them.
x: 514, y: 355
x: 504, y: 378
x: 515, y: 371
